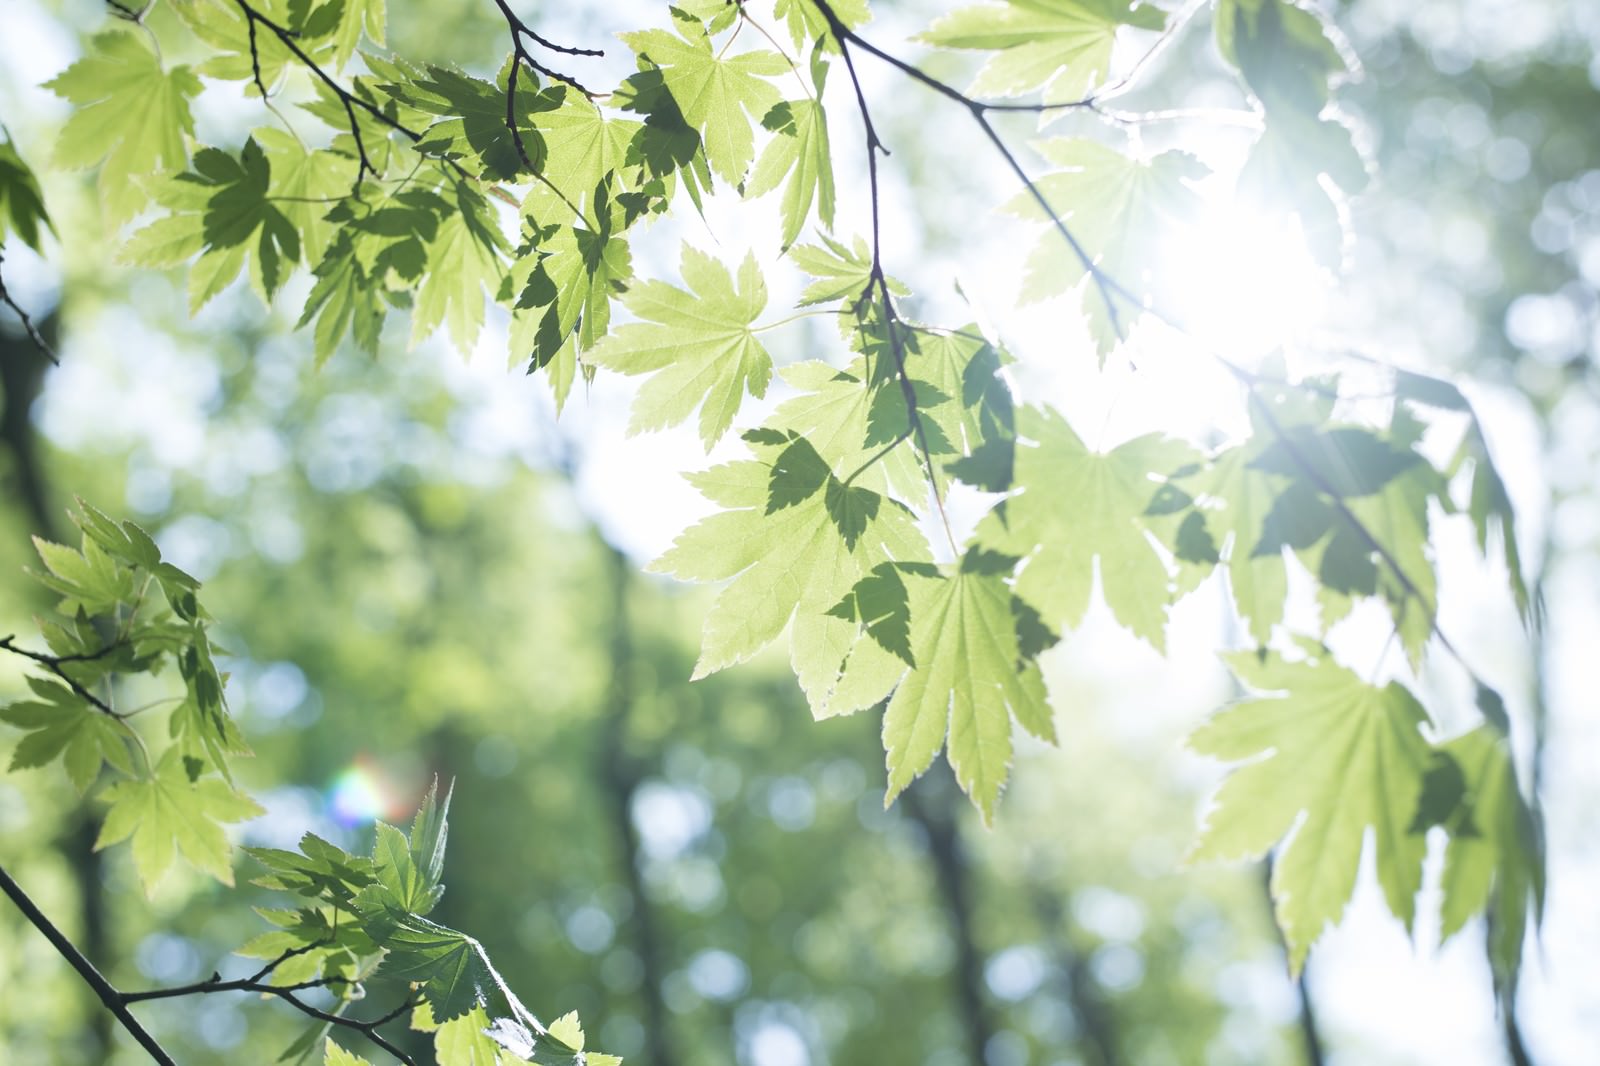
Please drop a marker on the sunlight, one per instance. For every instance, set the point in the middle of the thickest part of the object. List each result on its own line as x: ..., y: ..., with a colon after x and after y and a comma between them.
x: 1246, y: 281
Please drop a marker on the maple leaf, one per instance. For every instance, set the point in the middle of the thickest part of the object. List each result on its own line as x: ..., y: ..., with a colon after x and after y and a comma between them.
x: 968, y: 681
x: 583, y: 146
x: 794, y: 540
x: 61, y: 724
x: 1494, y: 861
x: 1324, y: 762
x: 714, y: 94
x: 168, y: 813
x: 21, y: 202
x: 1122, y: 211
x: 463, y: 261
x: 132, y: 117
x: 698, y: 345
x: 799, y: 152
x: 1060, y: 46
x: 1076, y: 506
x: 334, y: 1055
x: 842, y: 272
x: 807, y: 22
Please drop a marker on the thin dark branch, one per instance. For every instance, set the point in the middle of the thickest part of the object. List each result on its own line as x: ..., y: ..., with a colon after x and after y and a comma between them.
x: 367, y: 1029
x: 123, y: 11
x: 53, y: 664
x: 878, y: 280
x: 27, y: 324
x: 520, y: 30
x: 113, y: 1000
x: 978, y: 109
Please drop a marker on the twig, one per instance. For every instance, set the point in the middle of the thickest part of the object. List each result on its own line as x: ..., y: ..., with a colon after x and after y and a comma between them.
x: 878, y: 280
x: 27, y: 324
x: 53, y: 664
x: 520, y: 29
x: 109, y: 996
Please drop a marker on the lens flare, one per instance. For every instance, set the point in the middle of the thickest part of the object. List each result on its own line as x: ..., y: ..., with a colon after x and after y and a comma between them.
x: 362, y: 794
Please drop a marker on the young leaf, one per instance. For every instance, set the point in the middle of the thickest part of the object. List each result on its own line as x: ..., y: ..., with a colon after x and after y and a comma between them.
x: 969, y: 682
x: 168, y: 813
x: 697, y: 344
x: 799, y: 153
x: 842, y: 272
x: 1074, y: 507
x: 334, y: 1055
x: 1494, y: 863
x: 61, y: 724
x: 807, y: 23
x: 795, y: 540
x: 1122, y: 211
x: 132, y: 117
x: 21, y: 203
x: 1324, y: 761
x: 463, y: 261
x: 1060, y: 46
x: 713, y: 93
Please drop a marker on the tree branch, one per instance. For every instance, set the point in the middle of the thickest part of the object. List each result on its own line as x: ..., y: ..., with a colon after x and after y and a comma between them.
x: 27, y: 323
x: 109, y: 996
x: 53, y: 664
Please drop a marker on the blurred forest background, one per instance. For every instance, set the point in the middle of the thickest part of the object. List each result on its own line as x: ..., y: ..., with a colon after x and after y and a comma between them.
x: 419, y: 572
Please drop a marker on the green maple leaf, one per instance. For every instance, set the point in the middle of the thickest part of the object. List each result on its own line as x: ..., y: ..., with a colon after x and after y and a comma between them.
x: 1490, y: 508
x: 167, y: 813
x: 452, y: 967
x: 463, y: 261
x: 806, y: 21
x: 1076, y: 507
x: 469, y: 116
x: 968, y: 682
x: 1060, y: 46
x: 583, y: 146
x: 357, y: 17
x: 21, y: 202
x: 334, y: 1055
x: 305, y: 184
x: 794, y: 540
x: 842, y: 272
x: 714, y: 94
x: 1494, y: 862
x: 225, y: 32
x: 408, y: 869
x: 697, y: 345
x: 1240, y: 497
x: 1324, y: 762
x: 798, y: 153
x: 342, y: 300
x: 1122, y: 211
x: 132, y: 117
x: 833, y: 409
x: 90, y: 580
x: 226, y: 207
x: 565, y: 292
x: 61, y: 724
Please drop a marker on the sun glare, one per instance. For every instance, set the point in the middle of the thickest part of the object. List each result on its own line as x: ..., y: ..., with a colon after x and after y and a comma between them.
x: 1247, y: 283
